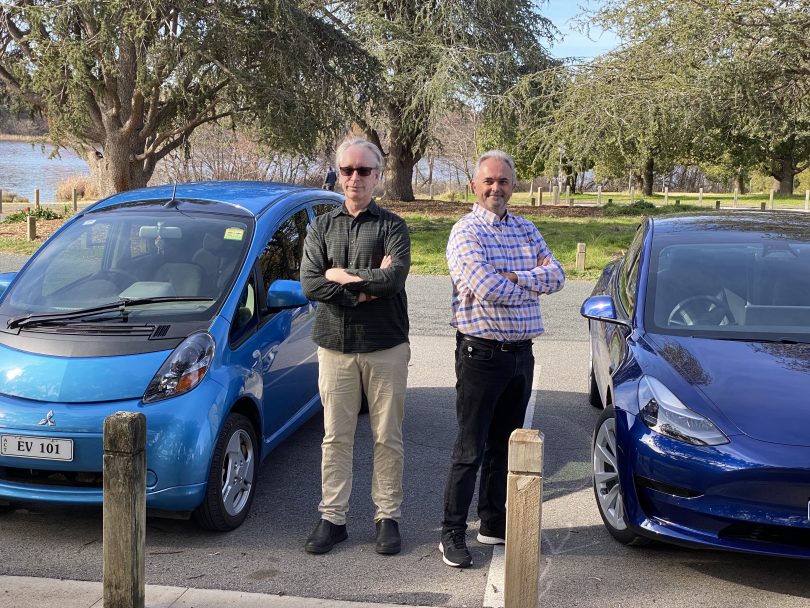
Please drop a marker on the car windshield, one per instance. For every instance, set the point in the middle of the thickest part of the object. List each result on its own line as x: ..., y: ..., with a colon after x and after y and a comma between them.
x: 750, y: 286
x: 172, y: 263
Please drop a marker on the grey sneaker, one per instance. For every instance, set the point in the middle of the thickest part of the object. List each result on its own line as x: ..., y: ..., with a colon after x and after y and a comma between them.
x: 454, y: 549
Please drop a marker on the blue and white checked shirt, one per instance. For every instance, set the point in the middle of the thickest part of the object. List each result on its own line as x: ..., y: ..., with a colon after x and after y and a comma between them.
x: 486, y: 304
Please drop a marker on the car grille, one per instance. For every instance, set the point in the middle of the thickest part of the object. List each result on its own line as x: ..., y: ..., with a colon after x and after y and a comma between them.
x: 666, y: 488
x: 782, y: 535
x: 41, y: 477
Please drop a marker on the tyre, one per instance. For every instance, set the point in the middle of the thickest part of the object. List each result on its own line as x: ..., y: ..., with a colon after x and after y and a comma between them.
x: 232, y: 480
x: 606, y: 485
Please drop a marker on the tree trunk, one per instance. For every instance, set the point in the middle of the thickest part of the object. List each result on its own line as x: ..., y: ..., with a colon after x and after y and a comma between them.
x: 115, y: 168
x: 739, y: 182
x: 783, y: 177
x: 648, y: 177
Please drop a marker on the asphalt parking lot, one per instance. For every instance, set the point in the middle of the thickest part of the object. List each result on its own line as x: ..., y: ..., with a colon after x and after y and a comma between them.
x: 581, y: 566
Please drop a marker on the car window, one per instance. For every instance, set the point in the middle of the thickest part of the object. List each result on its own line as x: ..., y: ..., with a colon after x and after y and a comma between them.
x: 321, y: 208
x: 629, y: 273
x: 83, y: 256
x: 281, y: 258
x: 245, y: 317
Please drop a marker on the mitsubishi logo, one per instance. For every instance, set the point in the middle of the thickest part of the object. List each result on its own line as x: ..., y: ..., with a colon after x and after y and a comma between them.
x: 48, y: 419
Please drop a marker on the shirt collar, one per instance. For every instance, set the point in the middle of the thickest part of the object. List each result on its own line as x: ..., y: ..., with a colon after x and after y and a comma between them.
x: 488, y: 217
x: 372, y: 208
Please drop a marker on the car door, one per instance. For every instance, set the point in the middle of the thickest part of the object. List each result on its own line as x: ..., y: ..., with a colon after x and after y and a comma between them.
x: 284, y: 348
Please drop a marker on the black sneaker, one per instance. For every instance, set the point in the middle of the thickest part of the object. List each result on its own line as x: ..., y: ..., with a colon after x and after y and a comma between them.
x: 324, y: 537
x: 454, y: 549
x: 491, y: 536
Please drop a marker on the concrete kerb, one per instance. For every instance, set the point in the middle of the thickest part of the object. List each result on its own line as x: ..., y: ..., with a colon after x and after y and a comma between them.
x: 31, y: 592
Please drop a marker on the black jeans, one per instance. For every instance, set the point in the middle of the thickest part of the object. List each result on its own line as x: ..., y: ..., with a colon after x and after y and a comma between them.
x: 493, y: 387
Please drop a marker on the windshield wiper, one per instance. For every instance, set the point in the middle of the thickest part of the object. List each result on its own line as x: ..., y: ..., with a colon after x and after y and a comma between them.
x: 121, y: 305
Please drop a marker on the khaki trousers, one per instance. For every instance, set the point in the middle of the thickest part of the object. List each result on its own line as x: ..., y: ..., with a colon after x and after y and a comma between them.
x: 383, y: 375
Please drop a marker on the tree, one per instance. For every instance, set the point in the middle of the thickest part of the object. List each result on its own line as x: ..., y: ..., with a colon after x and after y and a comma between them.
x: 125, y: 82
x: 434, y: 56
x: 746, y: 63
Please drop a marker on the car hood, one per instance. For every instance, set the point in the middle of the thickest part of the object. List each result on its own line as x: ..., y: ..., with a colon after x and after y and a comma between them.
x: 76, y: 379
x: 760, y: 387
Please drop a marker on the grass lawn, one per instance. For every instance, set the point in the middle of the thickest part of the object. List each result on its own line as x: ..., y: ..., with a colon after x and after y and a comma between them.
x: 606, y: 239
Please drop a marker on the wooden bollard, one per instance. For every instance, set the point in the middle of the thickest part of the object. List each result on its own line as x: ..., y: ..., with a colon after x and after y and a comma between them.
x: 806, y: 200
x: 524, y: 495
x: 539, y: 198
x: 36, y: 198
x: 716, y: 204
x: 124, y: 512
x: 75, y: 203
x: 666, y: 195
x: 1, y: 200
x: 762, y: 206
x: 580, y: 256
x: 599, y: 194
x: 531, y: 200
x: 568, y: 195
x: 555, y: 196
x: 677, y: 201
x: 610, y: 200
x: 32, y: 227
x: 700, y: 196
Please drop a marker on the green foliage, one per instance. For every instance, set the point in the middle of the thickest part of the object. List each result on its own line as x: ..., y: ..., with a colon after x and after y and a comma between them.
x: 40, y: 213
x: 133, y: 78
x: 643, y: 207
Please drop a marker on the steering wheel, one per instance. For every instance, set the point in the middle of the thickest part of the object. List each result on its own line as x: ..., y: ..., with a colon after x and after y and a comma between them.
x: 700, y: 310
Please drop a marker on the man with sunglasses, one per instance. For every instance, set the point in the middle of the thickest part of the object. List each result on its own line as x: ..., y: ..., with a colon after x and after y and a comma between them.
x: 499, y: 265
x: 356, y: 260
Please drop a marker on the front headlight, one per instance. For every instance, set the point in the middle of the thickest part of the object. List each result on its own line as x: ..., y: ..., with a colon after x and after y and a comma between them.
x: 664, y: 413
x: 183, y: 370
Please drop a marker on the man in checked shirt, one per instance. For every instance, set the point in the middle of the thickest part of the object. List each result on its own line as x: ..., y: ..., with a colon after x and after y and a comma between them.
x: 356, y: 259
x: 499, y: 265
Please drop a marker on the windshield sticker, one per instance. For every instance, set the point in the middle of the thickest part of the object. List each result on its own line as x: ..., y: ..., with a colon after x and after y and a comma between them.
x: 88, y: 222
x: 234, y: 234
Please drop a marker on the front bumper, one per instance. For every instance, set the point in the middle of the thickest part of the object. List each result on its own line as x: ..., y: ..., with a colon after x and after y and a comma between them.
x: 747, y: 495
x: 181, y: 433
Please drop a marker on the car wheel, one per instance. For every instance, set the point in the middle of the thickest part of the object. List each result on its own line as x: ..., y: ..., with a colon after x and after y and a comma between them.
x: 606, y: 485
x: 232, y: 480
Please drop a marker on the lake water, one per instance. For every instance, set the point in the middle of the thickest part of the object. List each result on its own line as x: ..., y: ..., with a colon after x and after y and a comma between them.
x: 24, y: 167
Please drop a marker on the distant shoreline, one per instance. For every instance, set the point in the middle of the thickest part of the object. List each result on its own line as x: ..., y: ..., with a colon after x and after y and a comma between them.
x: 32, y: 139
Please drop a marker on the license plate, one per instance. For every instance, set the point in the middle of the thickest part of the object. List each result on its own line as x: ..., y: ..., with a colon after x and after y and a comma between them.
x: 45, y: 448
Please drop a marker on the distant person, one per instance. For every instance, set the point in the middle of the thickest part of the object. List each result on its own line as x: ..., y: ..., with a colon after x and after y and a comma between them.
x: 356, y: 260
x: 330, y: 180
x: 499, y: 266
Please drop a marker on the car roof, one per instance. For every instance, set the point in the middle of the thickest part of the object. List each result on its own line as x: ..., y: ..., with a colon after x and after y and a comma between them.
x: 251, y: 196
x: 778, y: 222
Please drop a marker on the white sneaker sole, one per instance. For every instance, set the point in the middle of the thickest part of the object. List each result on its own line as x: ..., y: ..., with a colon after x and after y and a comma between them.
x: 447, y: 561
x: 490, y: 540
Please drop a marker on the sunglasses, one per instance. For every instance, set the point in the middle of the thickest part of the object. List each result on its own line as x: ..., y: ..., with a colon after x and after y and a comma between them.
x: 361, y: 171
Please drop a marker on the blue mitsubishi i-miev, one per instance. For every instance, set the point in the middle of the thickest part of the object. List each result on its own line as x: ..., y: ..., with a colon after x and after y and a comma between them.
x: 182, y: 303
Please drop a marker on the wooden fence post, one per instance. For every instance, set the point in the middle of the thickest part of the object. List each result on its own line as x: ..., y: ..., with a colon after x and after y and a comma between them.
x: 124, y: 512
x: 539, y: 197
x: 717, y: 204
x: 76, y: 207
x: 36, y: 198
x: 666, y: 195
x: 555, y: 196
x: 524, y: 495
x: 599, y: 195
x: 632, y: 194
x: 568, y: 195
x: 762, y: 206
x: 580, y: 256
x: 806, y: 200
x: 32, y: 227
x: 700, y: 197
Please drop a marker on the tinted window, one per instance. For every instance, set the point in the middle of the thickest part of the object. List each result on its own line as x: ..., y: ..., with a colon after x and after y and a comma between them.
x: 628, y: 276
x: 282, y: 255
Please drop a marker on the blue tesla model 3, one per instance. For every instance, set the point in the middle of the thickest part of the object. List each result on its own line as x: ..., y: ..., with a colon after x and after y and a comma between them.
x: 181, y: 303
x: 700, y: 356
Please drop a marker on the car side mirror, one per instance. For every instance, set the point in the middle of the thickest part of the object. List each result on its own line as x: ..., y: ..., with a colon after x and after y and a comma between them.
x: 284, y: 293
x: 5, y: 280
x: 601, y: 308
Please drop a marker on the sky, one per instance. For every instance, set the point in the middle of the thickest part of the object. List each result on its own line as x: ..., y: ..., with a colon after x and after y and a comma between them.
x: 561, y: 13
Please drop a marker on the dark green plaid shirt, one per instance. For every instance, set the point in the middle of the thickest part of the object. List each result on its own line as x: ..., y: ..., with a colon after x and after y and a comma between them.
x: 358, y: 245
